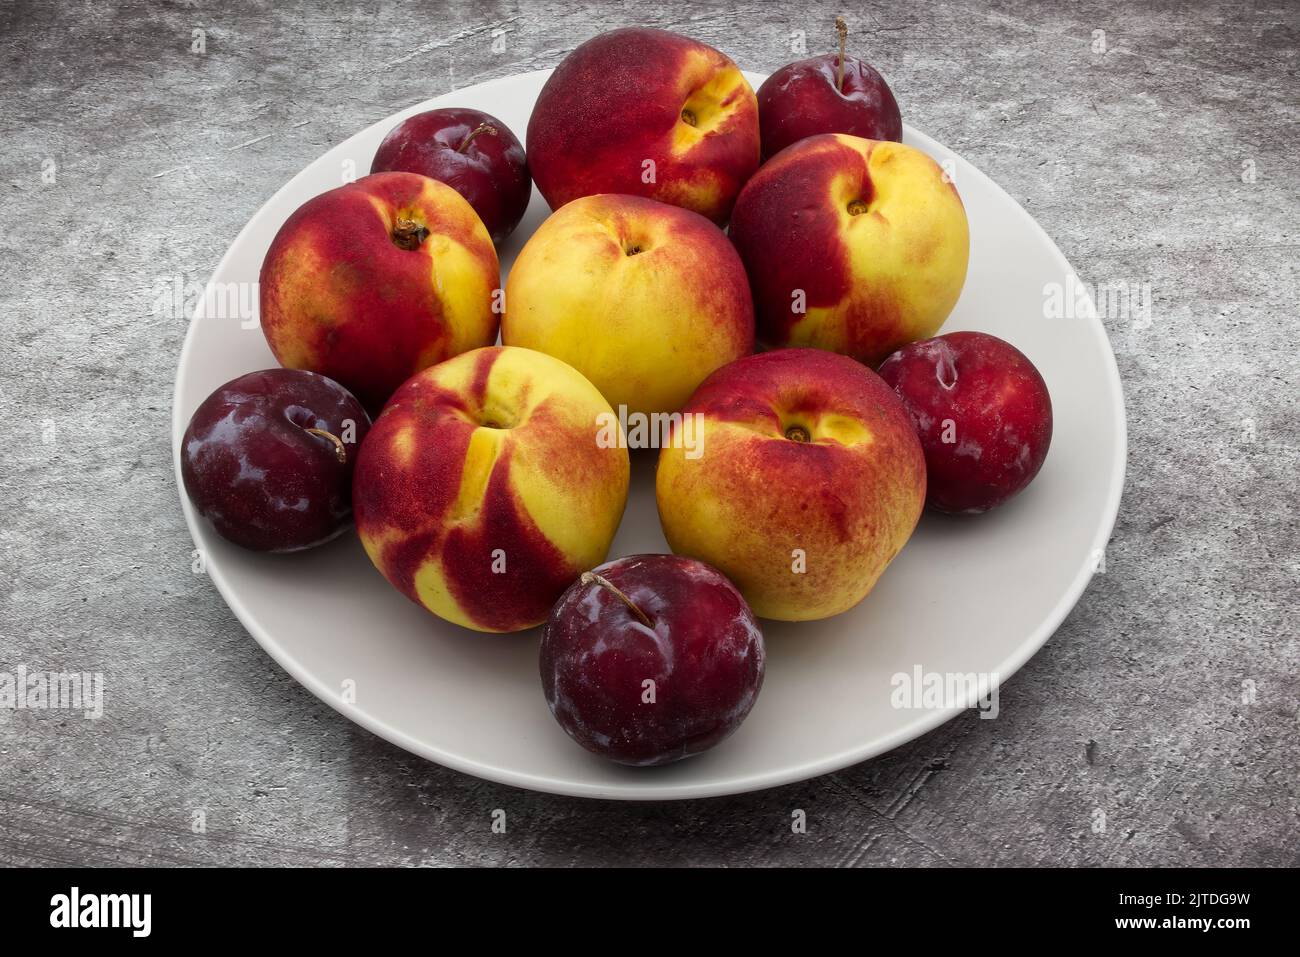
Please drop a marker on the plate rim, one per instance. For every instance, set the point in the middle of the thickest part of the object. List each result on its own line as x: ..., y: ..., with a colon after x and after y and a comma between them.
x: 925, y: 720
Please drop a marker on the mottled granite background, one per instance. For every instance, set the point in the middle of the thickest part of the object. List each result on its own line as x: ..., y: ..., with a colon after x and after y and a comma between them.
x: 1169, y: 699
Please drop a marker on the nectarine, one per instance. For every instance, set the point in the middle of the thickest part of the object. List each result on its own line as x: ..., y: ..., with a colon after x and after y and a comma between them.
x: 811, y: 481
x: 645, y: 112
x: 852, y: 245
x: 642, y: 298
x: 378, y: 279
x: 481, y: 492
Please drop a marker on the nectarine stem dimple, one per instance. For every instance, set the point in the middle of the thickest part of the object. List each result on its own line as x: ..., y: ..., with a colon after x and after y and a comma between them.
x: 797, y: 433
x: 857, y: 207
x: 689, y: 118
x: 487, y: 128
x: 589, y: 578
x: 339, y: 449
x: 408, y: 234
x: 842, y: 29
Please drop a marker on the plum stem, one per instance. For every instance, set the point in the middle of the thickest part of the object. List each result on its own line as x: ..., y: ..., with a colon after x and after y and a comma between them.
x: 339, y: 449
x: 842, y: 29
x: 408, y: 234
x: 589, y: 578
x: 481, y: 128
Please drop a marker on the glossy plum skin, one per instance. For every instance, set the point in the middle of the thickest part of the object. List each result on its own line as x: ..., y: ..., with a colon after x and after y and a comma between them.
x: 251, y: 468
x: 982, y: 412
x: 705, y: 656
x: 490, y: 170
x: 801, y: 100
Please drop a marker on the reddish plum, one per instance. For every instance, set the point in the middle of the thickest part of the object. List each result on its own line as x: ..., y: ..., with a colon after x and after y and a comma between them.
x: 982, y: 413
x: 816, y: 95
x: 473, y: 153
x: 268, y: 459
x: 651, y: 658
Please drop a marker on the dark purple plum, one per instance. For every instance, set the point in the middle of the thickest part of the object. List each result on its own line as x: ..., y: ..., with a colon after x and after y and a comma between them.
x: 472, y: 152
x: 268, y: 459
x: 651, y: 658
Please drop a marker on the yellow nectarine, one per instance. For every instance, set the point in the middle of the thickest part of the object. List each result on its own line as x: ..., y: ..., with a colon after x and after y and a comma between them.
x: 642, y: 298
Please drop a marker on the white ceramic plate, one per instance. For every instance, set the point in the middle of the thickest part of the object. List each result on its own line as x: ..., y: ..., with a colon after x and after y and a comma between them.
x: 972, y: 595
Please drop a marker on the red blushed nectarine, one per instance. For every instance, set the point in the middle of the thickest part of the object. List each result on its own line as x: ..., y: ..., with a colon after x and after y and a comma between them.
x: 649, y: 113
x: 372, y: 282
x: 482, y: 492
x: 810, y: 481
x: 851, y: 245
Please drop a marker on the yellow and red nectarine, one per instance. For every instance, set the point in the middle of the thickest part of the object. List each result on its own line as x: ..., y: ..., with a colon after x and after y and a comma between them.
x: 376, y: 280
x: 646, y: 112
x: 810, y: 482
x: 481, y: 491
x: 852, y: 245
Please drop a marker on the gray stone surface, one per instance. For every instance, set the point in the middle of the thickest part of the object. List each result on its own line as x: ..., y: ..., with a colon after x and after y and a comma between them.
x: 1169, y: 698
